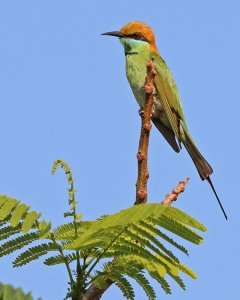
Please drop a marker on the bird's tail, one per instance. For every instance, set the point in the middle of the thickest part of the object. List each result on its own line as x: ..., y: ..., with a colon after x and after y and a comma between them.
x: 203, y: 167
x: 219, y: 202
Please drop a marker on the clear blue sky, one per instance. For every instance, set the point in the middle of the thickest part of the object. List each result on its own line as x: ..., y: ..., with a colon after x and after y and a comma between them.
x: 64, y: 95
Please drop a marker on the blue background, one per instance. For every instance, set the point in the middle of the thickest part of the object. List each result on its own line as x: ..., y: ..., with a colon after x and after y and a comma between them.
x: 64, y: 95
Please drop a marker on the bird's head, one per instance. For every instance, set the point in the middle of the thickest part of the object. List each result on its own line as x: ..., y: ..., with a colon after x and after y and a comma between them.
x: 135, y: 34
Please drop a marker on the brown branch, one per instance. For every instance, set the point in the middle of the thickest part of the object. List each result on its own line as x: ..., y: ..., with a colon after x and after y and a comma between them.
x: 142, y: 155
x: 169, y: 198
x: 94, y: 293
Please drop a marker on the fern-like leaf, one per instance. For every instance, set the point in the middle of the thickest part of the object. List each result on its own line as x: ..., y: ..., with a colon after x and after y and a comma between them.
x: 161, y: 258
x: 178, y: 280
x: 178, y: 228
x: 67, y: 231
x: 137, y: 250
x: 8, y: 205
x: 7, y: 231
x: 29, y: 220
x: 18, y: 213
x: 151, y: 227
x: 124, y: 285
x: 13, y: 211
x: 184, y: 218
x: 34, y: 253
x: 8, y: 292
x: 152, y: 239
x: 144, y: 283
x: 156, y: 213
x: 54, y: 260
x: 3, y: 199
x: 156, y: 271
x: 161, y: 280
x: 44, y: 229
x: 121, y: 219
x: 134, y: 272
x: 17, y: 243
x: 187, y: 271
x: 59, y: 259
x: 116, y: 275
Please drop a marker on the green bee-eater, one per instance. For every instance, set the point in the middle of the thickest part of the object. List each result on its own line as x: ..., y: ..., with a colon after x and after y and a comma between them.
x: 139, y: 45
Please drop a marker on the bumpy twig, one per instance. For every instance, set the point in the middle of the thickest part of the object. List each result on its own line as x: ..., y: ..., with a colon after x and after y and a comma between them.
x: 142, y: 155
x: 169, y: 198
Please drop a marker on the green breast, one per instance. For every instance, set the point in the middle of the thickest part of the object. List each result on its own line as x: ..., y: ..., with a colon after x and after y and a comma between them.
x: 136, y: 73
x: 138, y: 53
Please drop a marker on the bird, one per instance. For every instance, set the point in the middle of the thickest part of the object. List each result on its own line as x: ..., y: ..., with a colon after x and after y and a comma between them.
x: 139, y: 45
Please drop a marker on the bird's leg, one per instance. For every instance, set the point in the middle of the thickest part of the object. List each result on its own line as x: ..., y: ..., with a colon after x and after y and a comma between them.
x: 140, y: 111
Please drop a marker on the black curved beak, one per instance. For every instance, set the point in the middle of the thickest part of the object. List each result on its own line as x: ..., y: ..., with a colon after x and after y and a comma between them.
x: 114, y: 33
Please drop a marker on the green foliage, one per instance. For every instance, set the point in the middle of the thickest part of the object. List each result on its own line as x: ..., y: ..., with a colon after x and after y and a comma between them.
x: 59, y: 259
x: 137, y: 242
x: 18, y: 215
x: 23, y: 226
x: 67, y: 231
x: 153, y: 213
x: 123, y: 284
x: 8, y: 292
x: 34, y: 253
x: 18, y: 243
x: 7, y: 231
x: 62, y: 164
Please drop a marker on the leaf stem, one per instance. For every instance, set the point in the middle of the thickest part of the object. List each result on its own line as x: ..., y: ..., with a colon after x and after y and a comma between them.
x: 105, y: 250
x: 64, y: 258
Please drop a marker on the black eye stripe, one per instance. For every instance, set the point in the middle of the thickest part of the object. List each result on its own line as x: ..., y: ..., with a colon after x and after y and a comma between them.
x: 137, y: 36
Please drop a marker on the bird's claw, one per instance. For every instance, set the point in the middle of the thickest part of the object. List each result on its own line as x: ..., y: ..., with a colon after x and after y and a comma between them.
x: 140, y: 111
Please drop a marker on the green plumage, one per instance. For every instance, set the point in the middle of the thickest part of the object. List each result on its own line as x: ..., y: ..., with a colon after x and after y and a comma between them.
x: 167, y: 113
x: 139, y: 45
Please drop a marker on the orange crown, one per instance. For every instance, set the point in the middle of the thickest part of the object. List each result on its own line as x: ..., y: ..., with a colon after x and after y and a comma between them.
x: 144, y: 29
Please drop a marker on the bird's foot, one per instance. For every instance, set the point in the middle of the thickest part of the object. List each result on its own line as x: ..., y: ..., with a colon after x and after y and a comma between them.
x: 140, y: 111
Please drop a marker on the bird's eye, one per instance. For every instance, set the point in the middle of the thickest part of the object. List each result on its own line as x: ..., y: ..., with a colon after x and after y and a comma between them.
x: 137, y: 36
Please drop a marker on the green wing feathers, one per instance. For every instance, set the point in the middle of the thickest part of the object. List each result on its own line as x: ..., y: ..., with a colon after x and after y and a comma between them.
x: 203, y: 167
x: 167, y: 133
x: 170, y: 101
x: 168, y: 96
